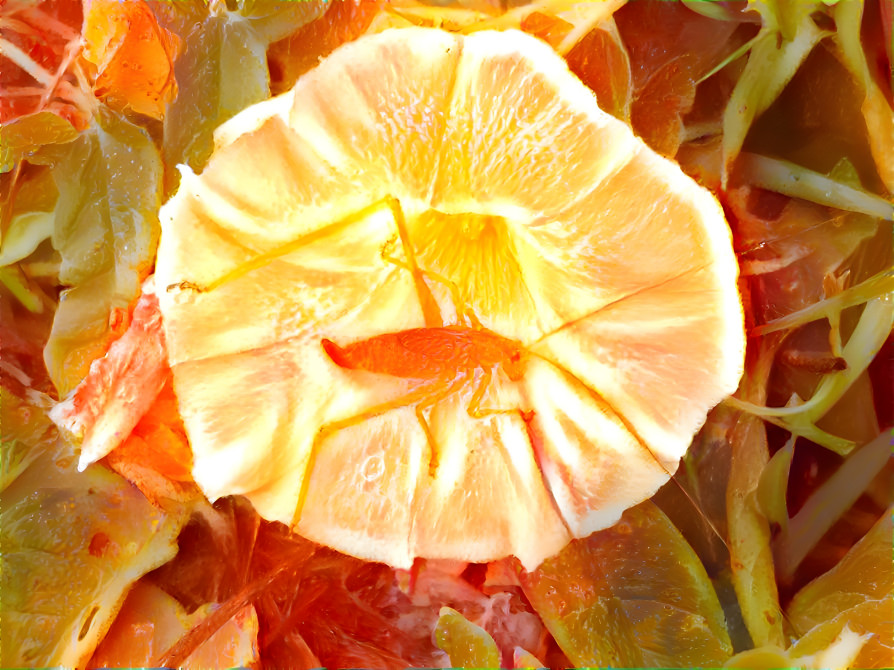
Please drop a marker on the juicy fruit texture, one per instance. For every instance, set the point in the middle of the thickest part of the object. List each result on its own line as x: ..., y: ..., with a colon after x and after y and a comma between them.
x: 641, y: 586
x: 151, y: 621
x: 120, y: 386
x: 133, y: 54
x: 526, y: 207
x: 858, y: 593
x: 105, y: 228
x: 464, y: 640
x: 72, y: 544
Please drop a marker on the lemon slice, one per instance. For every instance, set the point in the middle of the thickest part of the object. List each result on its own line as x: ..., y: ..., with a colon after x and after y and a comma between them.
x: 434, y: 302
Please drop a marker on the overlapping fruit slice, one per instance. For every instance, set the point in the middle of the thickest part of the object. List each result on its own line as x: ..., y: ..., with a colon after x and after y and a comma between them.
x: 418, y: 179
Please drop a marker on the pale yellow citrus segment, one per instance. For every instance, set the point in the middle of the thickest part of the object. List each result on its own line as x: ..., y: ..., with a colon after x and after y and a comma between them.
x: 618, y: 241
x: 658, y: 365
x: 388, y: 456
x: 258, y: 443
x: 339, y: 276
x: 380, y: 117
x: 487, y: 498
x: 252, y: 118
x: 591, y: 462
x: 524, y: 135
x: 523, y: 140
x: 267, y: 187
x: 250, y: 446
x: 661, y: 339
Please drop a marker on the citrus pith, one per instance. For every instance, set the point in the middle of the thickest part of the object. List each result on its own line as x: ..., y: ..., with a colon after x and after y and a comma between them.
x: 523, y: 207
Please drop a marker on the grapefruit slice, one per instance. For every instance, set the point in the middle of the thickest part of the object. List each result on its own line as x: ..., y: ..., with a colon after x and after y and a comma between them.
x: 540, y: 309
x: 151, y: 621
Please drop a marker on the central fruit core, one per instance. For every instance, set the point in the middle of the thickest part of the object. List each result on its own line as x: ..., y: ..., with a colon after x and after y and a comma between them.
x: 479, y: 253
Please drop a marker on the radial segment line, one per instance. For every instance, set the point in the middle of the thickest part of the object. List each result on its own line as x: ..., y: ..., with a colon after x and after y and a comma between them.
x: 546, y: 485
x: 642, y: 443
x: 415, y: 395
x: 266, y: 258
x: 336, y: 316
x: 448, y: 106
x: 516, y: 476
x: 614, y: 410
x: 612, y: 303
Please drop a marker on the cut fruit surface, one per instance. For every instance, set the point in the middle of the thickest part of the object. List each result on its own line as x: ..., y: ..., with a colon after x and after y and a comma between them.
x: 151, y: 621
x: 419, y: 179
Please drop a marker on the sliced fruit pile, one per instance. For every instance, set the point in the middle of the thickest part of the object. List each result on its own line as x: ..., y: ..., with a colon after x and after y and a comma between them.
x: 517, y: 198
x: 449, y: 297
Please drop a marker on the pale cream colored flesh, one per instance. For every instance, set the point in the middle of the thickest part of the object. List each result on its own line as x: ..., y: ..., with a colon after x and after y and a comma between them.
x: 614, y: 267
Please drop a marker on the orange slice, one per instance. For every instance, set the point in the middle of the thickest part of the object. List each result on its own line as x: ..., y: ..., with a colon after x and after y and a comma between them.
x: 434, y: 302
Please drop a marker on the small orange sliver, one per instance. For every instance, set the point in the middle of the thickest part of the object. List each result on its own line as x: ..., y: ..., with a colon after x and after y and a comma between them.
x: 524, y: 209
x: 133, y: 54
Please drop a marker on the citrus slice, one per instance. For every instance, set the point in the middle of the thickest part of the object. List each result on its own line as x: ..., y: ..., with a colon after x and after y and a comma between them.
x: 150, y: 622
x: 434, y: 302
x: 73, y: 543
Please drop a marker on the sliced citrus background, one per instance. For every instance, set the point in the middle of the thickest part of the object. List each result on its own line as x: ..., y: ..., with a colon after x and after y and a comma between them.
x: 634, y: 595
x: 463, y: 640
x: 151, y: 621
x: 71, y: 544
x: 858, y: 594
x: 542, y: 215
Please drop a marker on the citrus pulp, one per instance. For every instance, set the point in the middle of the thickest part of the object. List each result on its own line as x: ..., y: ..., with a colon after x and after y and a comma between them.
x: 523, y: 211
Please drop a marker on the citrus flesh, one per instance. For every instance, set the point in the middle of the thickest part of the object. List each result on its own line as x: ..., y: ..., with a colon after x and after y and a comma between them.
x: 526, y: 207
x: 150, y: 622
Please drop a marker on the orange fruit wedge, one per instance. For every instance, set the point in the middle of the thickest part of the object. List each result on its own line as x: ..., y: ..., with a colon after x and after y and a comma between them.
x: 434, y: 302
x: 150, y: 622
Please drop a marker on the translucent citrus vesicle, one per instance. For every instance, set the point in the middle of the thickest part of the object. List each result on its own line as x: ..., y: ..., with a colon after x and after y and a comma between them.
x: 603, y: 278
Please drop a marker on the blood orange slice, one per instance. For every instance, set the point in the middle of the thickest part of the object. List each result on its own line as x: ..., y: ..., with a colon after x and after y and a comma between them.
x: 419, y: 180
